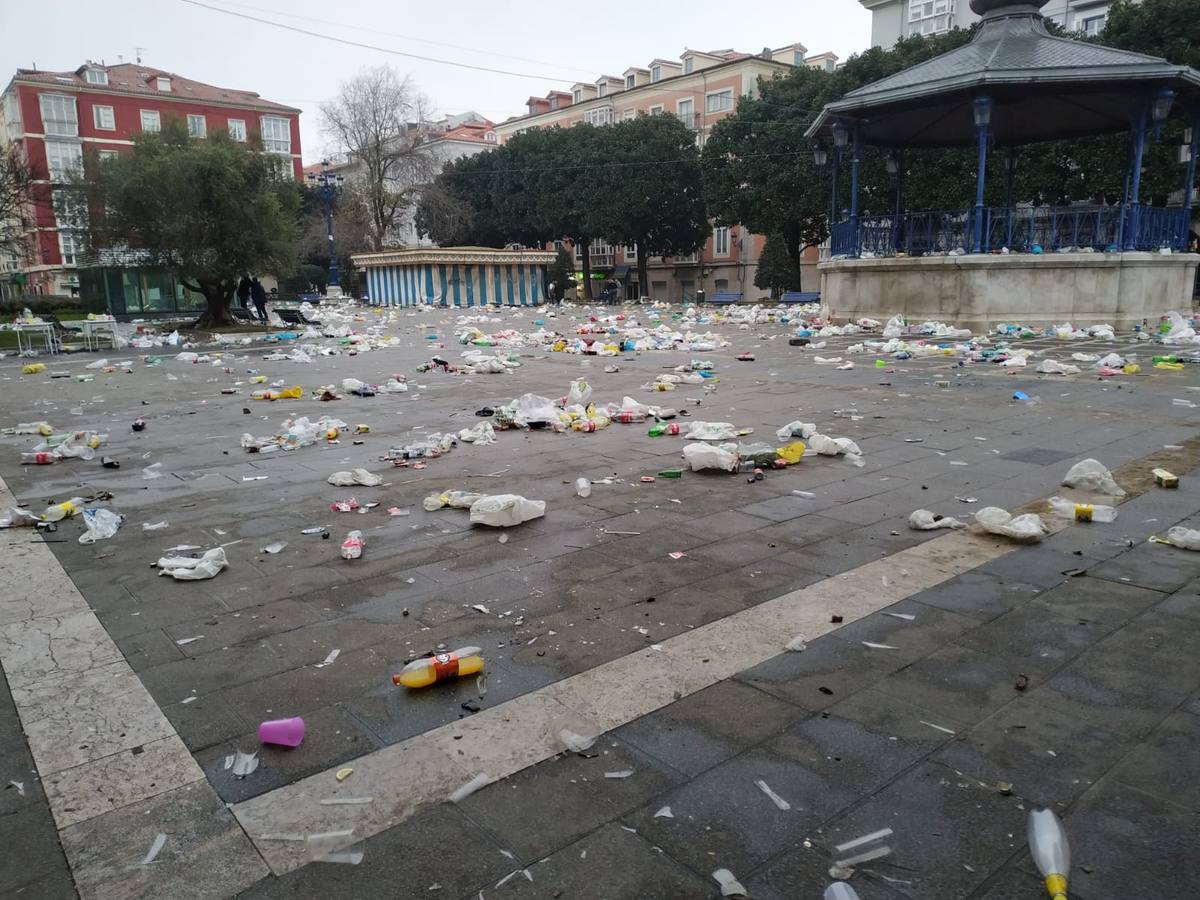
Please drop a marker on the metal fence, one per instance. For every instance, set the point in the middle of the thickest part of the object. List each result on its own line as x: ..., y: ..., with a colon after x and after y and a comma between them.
x: 1021, y: 230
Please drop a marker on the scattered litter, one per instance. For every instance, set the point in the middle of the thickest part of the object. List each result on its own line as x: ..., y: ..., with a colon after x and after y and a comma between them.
x: 875, y: 646
x: 774, y: 797
x: 796, y: 644
x: 187, y: 568
x: 347, y: 801
x: 1179, y: 536
x: 730, y: 886
x: 20, y: 786
x: 242, y: 764
x: 479, y: 781
x: 155, y: 849
x: 153, y: 526
x: 1027, y: 528
x: 677, y: 554
x: 1081, y: 512
x: 1050, y: 850
x: 284, y: 732
x: 924, y: 520
x: 907, y: 617
x: 664, y: 813
x: 429, y: 670
x: 576, y: 743
x: 864, y: 849
x: 335, y: 847
x: 333, y: 654
x: 938, y: 727
x: 343, y: 774
x: 1091, y: 475
x: 183, y: 641
x: 505, y: 510
x: 622, y: 773
x: 275, y: 547
x: 355, y: 476
x: 101, y: 524
x: 1165, y: 479
x: 839, y: 890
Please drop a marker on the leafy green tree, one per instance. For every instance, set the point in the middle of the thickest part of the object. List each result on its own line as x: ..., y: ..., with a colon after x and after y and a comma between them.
x: 777, y: 271
x: 651, y: 191
x: 208, y: 210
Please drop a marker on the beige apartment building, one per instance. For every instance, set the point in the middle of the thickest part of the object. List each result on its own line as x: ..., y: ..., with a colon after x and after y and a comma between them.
x: 701, y: 88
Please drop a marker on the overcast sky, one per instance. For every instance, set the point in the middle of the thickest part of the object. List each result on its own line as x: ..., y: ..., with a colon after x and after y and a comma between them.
x: 556, y: 43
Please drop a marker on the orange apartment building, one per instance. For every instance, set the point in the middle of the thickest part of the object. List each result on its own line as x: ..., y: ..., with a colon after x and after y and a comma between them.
x: 701, y: 88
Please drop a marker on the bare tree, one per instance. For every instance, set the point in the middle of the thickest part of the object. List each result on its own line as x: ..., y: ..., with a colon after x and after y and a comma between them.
x: 16, y: 199
x: 378, y: 118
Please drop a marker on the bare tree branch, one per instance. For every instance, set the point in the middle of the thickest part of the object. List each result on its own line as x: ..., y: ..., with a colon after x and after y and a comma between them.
x: 379, y: 119
x: 16, y: 203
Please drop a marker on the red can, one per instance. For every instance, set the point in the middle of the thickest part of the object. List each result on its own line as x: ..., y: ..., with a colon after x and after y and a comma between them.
x: 625, y: 417
x: 673, y: 428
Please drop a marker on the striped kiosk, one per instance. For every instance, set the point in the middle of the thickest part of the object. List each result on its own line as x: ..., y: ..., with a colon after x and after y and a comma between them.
x: 455, y: 276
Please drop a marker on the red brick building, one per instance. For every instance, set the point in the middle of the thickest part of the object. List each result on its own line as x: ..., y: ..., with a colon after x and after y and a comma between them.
x: 56, y: 116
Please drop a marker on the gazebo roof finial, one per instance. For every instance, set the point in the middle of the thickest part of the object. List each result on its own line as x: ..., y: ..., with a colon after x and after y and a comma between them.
x: 983, y: 7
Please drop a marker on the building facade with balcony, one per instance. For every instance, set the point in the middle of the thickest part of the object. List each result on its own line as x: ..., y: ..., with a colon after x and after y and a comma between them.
x: 700, y: 88
x: 55, y: 117
x: 895, y: 19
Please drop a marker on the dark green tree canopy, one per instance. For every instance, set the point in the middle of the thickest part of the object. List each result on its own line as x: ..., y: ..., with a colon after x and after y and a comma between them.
x: 210, y: 210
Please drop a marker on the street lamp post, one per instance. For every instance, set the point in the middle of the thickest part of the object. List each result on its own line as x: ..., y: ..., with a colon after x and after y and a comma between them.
x: 328, y: 185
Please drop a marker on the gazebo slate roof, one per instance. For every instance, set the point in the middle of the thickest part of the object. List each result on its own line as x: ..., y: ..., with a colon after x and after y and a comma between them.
x: 1043, y: 87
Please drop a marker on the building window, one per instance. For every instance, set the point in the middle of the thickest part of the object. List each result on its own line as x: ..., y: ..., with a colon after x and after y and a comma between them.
x: 58, y: 115
x: 689, y: 65
x: 70, y: 209
x: 12, y: 110
x: 686, y: 111
x: 68, y: 246
x: 797, y: 57
x: 64, y: 159
x: 106, y: 155
x: 630, y: 251
x: 103, y: 118
x: 930, y: 16
x: 602, y: 89
x: 600, y: 116
x: 721, y: 241
x: 237, y: 129
x: 95, y: 76
x: 655, y: 110
x: 276, y: 134
x: 1092, y: 25
x: 718, y: 102
x: 577, y: 95
x: 197, y: 126
x: 629, y: 114
x: 163, y: 83
x: 151, y: 121
x: 655, y: 73
x: 630, y: 82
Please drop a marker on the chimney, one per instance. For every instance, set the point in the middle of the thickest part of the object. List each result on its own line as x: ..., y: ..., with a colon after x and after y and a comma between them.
x: 766, y: 53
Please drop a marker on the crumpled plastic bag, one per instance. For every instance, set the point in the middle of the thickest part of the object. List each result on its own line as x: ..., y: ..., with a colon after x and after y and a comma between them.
x: 1178, y: 331
x: 355, y: 476
x: 101, y: 524
x: 1184, y: 538
x: 1091, y: 475
x: 187, y: 568
x: 1112, y: 361
x: 481, y: 434
x: 505, y: 510
x: 1028, y: 528
x: 894, y: 327
x: 824, y: 445
x: 705, y: 456
x: 580, y: 393
x: 531, y: 408
x: 711, y: 431
x: 13, y: 517
x: 1054, y: 367
x: 453, y: 499
x: 926, y: 520
x: 796, y: 429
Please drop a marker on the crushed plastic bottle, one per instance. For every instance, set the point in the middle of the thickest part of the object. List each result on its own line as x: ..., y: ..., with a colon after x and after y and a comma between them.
x: 352, y: 546
x: 431, y: 669
x: 1050, y: 851
x: 41, y: 458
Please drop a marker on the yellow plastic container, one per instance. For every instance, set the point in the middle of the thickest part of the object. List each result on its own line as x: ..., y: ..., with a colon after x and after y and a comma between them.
x: 1169, y: 367
x: 1132, y: 369
x: 431, y: 669
x: 33, y: 368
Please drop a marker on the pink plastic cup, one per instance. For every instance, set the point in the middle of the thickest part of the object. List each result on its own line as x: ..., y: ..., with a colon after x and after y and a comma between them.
x: 285, y: 732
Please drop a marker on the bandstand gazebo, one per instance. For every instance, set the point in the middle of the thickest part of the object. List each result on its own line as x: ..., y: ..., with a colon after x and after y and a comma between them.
x: 1013, y: 85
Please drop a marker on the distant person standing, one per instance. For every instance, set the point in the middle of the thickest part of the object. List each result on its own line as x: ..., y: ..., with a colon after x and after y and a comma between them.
x: 552, y: 292
x: 259, y: 295
x: 243, y: 293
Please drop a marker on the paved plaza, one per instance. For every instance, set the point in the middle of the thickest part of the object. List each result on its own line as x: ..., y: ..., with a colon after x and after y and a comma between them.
x: 652, y: 615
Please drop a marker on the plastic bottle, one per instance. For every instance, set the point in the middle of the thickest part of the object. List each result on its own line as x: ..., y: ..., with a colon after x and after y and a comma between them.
x: 352, y: 546
x: 583, y: 487
x: 840, y: 890
x: 41, y: 458
x: 1082, y: 512
x: 658, y: 429
x: 64, y: 510
x: 431, y: 669
x: 1050, y: 851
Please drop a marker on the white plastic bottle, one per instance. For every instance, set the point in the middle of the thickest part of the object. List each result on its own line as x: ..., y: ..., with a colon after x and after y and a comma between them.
x: 1050, y: 851
x: 1082, y: 512
x: 840, y: 890
x: 583, y: 487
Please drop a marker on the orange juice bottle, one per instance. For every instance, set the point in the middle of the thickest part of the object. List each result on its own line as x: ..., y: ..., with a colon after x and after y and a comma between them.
x: 431, y: 669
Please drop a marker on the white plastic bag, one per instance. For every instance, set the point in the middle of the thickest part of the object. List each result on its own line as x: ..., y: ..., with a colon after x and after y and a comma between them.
x: 1081, y: 512
x: 481, y: 434
x: 1054, y: 367
x: 186, y: 568
x: 580, y: 393
x: 711, y: 431
x: 1185, y: 538
x: 894, y: 327
x: 796, y: 430
x: 1091, y: 475
x: 1028, y: 528
x: 355, y: 476
x: 101, y: 524
x: 453, y: 499
x: 505, y: 510
x: 925, y: 520
x: 15, y: 518
x: 705, y: 456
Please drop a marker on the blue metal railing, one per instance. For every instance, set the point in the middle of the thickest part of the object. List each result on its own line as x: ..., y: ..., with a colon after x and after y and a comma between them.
x: 1021, y: 230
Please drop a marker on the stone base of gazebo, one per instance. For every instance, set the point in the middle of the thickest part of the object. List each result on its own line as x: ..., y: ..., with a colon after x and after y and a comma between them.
x: 980, y: 292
